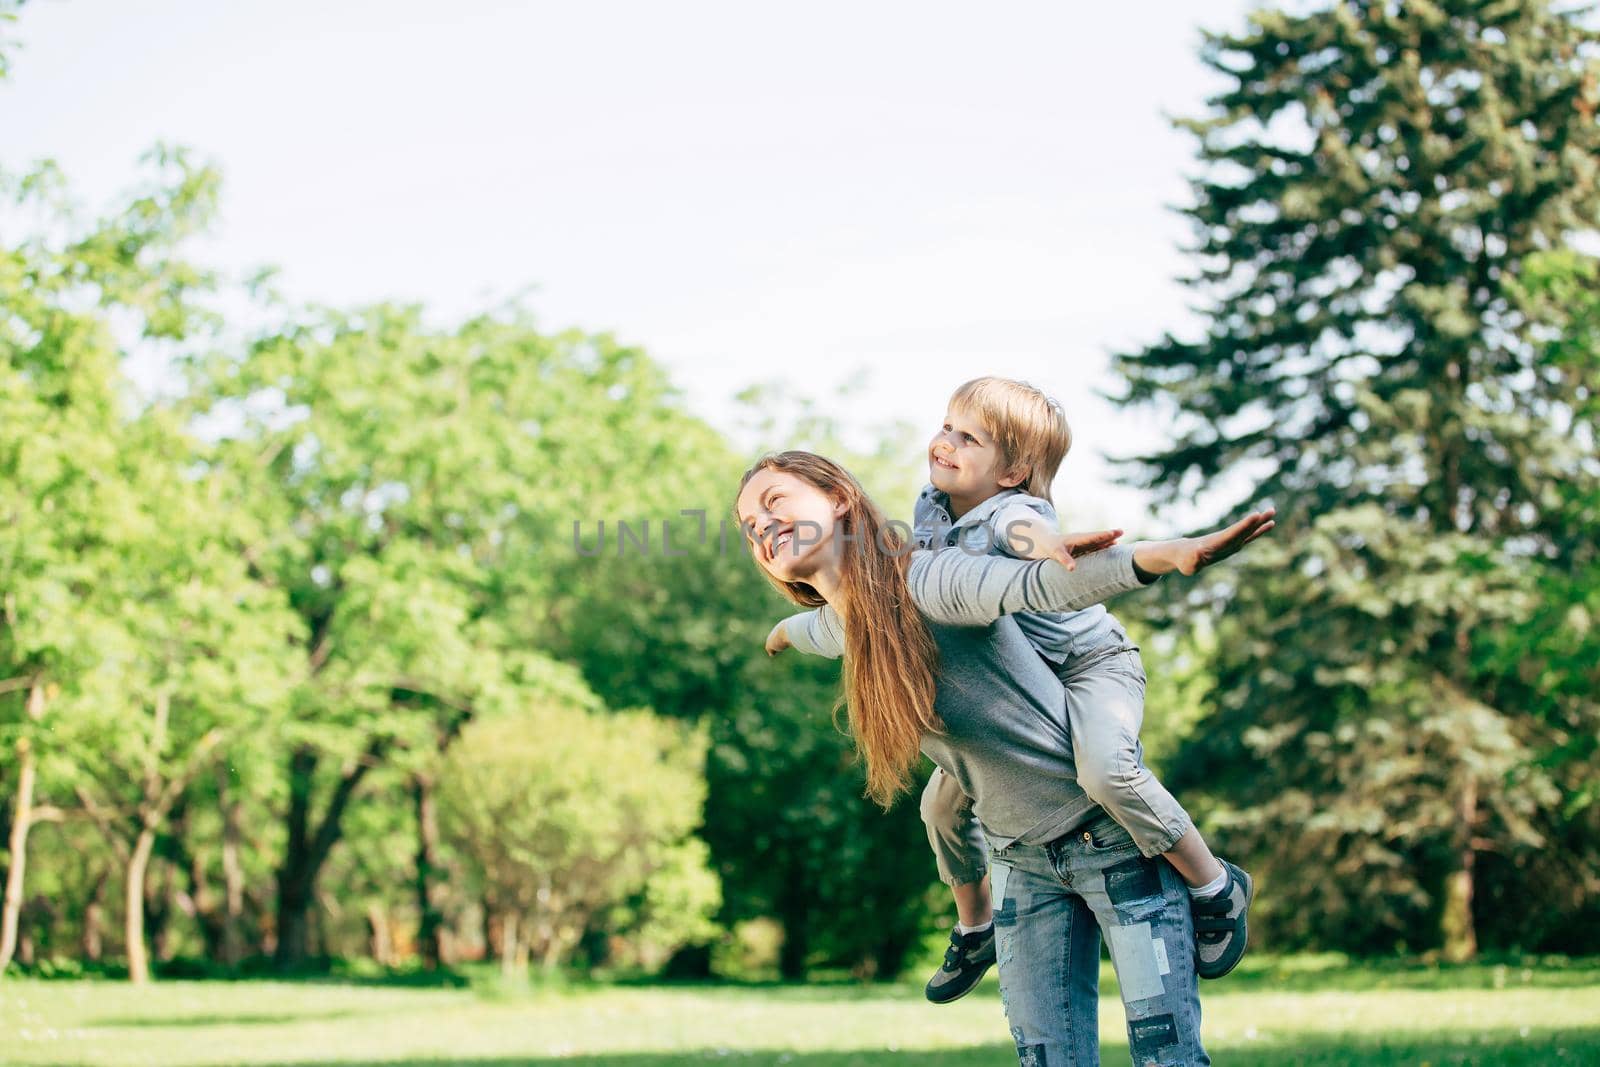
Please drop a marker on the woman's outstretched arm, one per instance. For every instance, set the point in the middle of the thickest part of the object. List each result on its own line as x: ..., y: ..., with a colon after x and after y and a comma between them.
x: 817, y: 632
x: 958, y: 589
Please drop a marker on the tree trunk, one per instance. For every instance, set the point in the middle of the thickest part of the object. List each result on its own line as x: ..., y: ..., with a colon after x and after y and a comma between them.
x: 428, y: 940
x: 232, y: 874
x: 200, y: 903
x: 93, y: 941
x: 380, y: 937
x: 295, y: 876
x: 523, y: 946
x: 133, y: 901
x: 508, y: 944
x: 294, y: 925
x: 5, y: 832
x: 486, y: 927
x: 794, y: 911
x: 551, y: 958
x: 1458, y: 928
x: 890, y: 956
x: 158, y: 908
x: 305, y: 852
x: 21, y: 819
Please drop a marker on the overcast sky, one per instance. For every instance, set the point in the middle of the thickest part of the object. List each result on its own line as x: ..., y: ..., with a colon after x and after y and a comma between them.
x: 750, y: 191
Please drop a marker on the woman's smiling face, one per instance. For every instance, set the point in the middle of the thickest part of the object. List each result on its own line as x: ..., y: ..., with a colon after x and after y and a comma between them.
x: 789, y: 521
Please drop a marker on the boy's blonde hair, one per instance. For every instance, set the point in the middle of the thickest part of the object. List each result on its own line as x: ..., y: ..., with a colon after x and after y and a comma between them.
x: 1028, y: 427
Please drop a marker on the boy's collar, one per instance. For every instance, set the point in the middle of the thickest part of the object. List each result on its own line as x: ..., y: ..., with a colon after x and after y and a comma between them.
x: 980, y: 512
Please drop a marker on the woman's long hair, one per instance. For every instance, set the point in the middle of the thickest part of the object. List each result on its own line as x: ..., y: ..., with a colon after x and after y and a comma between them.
x: 890, y: 658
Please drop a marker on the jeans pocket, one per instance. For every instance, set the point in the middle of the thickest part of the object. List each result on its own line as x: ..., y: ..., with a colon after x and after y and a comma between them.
x: 1106, y: 837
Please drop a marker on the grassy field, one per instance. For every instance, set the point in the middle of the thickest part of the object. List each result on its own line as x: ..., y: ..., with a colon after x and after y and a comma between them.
x: 1291, y: 1011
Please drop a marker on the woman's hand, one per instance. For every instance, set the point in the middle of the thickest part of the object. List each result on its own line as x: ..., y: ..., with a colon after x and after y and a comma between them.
x: 1186, y: 555
x: 778, y: 639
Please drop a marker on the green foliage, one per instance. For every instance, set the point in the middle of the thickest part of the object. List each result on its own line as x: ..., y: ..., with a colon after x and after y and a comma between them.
x: 1352, y: 741
x: 421, y: 494
x: 1549, y: 666
x: 1177, y: 663
x: 406, y: 480
x: 1372, y: 178
x: 129, y: 617
x: 566, y: 811
x: 676, y: 907
x: 790, y: 833
x: 1376, y: 182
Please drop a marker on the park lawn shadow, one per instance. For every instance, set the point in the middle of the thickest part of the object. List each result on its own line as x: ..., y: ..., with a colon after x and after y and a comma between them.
x: 1500, y: 1048
x: 262, y: 1019
x: 312, y: 972
x: 843, y: 991
x: 1481, y: 1048
x: 1311, y: 974
x: 1264, y: 974
x: 972, y: 1056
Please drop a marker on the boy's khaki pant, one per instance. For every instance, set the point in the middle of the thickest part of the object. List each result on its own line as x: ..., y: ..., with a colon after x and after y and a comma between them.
x: 1105, y: 710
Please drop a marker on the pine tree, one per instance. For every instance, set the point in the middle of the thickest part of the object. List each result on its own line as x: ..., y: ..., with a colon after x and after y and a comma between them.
x: 1373, y: 179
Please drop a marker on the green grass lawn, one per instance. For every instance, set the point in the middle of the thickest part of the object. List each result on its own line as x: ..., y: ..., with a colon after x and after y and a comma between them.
x: 1288, y: 1011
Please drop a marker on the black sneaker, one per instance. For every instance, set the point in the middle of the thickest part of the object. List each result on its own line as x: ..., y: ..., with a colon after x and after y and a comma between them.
x: 967, y: 959
x: 1220, y: 930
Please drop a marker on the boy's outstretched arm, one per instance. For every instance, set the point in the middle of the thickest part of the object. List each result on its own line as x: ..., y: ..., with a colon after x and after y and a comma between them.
x: 1186, y: 555
x: 955, y: 589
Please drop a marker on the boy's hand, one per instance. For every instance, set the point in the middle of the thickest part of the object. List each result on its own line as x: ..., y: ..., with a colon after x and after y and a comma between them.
x: 778, y: 639
x: 1081, y: 544
x: 1065, y: 548
x: 1186, y: 555
x: 1032, y: 538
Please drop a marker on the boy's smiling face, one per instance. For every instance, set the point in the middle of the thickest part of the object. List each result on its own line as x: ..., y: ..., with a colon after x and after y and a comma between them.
x: 965, y: 464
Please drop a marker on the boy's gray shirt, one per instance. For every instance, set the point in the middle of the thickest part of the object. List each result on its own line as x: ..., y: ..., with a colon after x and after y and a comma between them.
x: 1057, y: 635
x: 1005, y: 739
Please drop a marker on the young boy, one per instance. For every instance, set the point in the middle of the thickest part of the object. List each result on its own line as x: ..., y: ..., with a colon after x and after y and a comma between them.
x: 990, y: 467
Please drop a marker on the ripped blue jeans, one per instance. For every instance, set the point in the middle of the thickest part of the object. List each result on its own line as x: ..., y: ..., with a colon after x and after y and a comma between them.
x: 1053, y: 903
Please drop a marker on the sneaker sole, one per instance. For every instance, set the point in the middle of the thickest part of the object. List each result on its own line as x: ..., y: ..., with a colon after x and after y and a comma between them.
x: 973, y: 985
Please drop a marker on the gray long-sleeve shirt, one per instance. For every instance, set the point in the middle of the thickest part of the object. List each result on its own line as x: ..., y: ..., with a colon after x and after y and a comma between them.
x: 1005, y: 740
x: 984, y: 530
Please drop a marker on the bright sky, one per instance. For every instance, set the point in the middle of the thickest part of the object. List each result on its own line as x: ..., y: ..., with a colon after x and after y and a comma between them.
x: 751, y: 192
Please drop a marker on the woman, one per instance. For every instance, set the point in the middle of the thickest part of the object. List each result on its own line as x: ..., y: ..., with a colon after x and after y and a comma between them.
x: 957, y: 680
